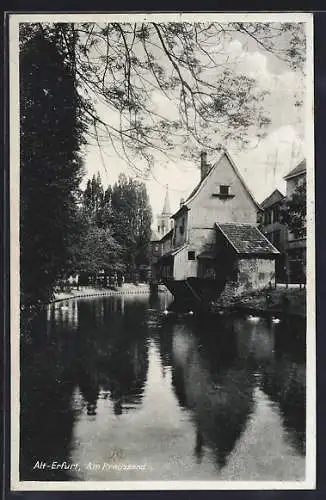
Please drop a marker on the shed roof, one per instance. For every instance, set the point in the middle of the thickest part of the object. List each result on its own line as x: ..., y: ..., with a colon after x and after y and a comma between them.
x: 273, y: 198
x: 174, y: 251
x: 167, y: 235
x: 247, y: 239
x: 298, y: 170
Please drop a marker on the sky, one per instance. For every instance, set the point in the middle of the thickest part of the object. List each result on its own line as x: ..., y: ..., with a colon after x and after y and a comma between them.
x: 262, y: 165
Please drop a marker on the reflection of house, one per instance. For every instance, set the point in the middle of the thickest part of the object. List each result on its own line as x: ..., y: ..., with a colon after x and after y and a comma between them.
x: 200, y: 243
x: 219, y: 395
x: 296, y: 247
x: 274, y: 230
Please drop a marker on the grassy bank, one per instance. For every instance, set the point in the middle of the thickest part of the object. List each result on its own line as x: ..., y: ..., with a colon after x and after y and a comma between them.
x: 274, y: 301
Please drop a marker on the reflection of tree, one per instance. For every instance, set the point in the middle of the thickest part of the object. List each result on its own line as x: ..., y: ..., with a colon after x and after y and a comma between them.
x: 215, y: 385
x: 115, y: 355
x: 106, y: 350
x: 46, y: 416
x: 89, y: 388
x: 284, y: 379
x: 278, y: 353
x: 126, y: 372
x: 284, y: 383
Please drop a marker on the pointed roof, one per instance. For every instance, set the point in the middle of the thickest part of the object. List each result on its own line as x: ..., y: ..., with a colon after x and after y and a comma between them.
x: 247, y: 239
x: 204, y: 180
x: 167, y: 235
x: 298, y: 170
x: 166, y: 205
x: 273, y: 198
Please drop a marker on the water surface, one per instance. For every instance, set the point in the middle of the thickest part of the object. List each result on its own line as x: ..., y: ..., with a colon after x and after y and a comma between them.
x: 113, y: 389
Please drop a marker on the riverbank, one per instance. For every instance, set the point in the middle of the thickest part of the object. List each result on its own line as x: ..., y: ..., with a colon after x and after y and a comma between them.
x: 89, y: 291
x: 278, y: 301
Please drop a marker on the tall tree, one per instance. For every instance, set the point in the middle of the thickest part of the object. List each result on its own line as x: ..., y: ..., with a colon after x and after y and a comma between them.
x: 131, y: 221
x: 93, y: 201
x: 52, y: 133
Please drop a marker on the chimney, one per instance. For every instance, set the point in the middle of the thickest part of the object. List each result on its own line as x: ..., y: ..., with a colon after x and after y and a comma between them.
x: 204, y: 167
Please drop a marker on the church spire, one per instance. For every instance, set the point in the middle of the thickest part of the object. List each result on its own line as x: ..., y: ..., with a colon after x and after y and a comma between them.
x: 166, y: 206
x: 164, y: 222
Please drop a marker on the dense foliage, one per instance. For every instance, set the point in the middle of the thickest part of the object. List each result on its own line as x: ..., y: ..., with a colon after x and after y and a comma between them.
x: 124, y: 69
x: 51, y: 131
x: 119, y: 228
x: 295, y: 210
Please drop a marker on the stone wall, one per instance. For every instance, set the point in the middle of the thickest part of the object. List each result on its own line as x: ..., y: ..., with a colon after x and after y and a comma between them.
x: 253, y: 274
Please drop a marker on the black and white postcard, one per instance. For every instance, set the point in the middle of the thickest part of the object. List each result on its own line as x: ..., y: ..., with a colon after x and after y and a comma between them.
x: 162, y: 251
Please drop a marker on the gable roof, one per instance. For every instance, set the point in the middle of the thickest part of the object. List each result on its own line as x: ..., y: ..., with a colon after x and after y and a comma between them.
x: 273, y: 198
x: 167, y: 235
x: 298, y: 170
x: 203, y: 181
x: 247, y: 239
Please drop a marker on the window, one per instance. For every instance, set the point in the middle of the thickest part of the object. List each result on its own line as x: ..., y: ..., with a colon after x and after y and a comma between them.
x: 276, y: 212
x: 191, y: 255
x: 268, y: 217
x: 224, y: 190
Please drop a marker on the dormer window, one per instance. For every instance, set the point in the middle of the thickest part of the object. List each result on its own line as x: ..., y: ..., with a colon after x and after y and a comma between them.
x: 223, y: 191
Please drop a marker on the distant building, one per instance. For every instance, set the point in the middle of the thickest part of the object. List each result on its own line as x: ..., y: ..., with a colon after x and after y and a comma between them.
x: 272, y: 227
x: 164, y: 222
x: 291, y: 263
x: 161, y: 237
x: 200, y: 258
x: 296, y: 247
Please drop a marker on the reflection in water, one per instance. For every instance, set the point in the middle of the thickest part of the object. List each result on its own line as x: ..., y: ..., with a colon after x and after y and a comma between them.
x: 217, y: 386
x: 220, y: 398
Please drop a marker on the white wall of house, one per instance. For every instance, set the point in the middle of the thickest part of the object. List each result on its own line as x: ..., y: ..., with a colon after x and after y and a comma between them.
x: 196, y: 226
x: 183, y: 266
x: 207, y: 207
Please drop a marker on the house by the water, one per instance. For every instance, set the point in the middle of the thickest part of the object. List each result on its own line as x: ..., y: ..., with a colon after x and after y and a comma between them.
x: 271, y: 225
x: 291, y: 263
x: 215, y: 250
x: 296, y: 246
